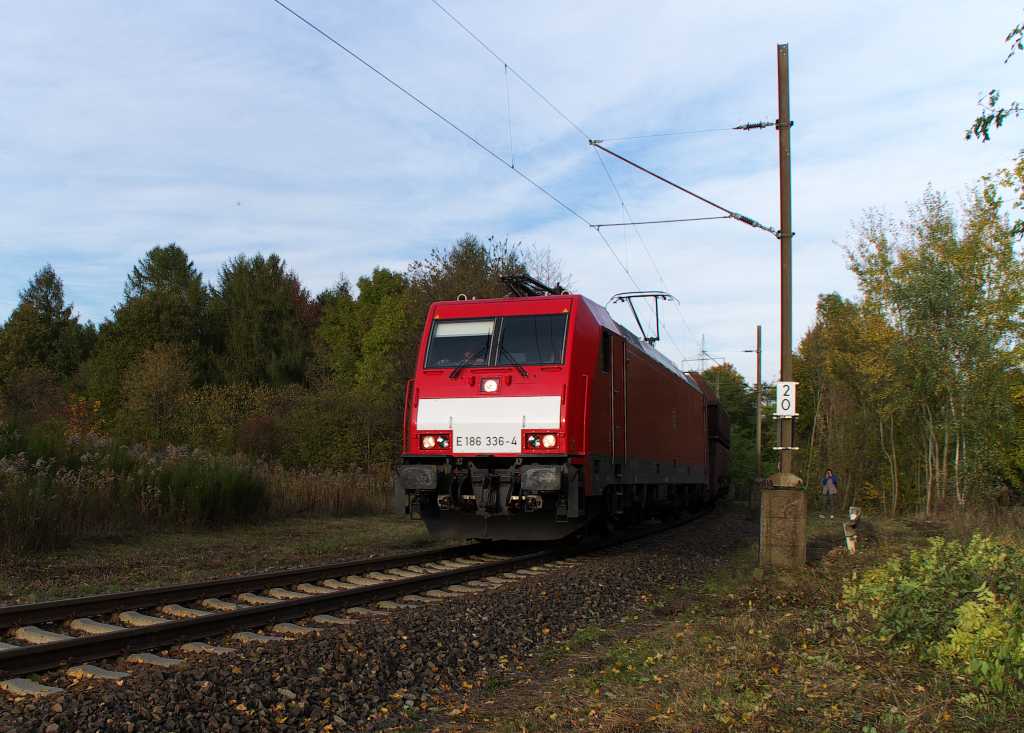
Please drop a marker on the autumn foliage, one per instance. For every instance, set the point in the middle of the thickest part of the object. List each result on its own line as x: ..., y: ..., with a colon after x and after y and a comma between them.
x: 912, y: 391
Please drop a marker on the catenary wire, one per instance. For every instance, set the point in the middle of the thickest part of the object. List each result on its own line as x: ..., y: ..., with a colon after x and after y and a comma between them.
x: 532, y: 88
x: 626, y: 212
x: 628, y: 274
x: 458, y: 129
x: 666, y: 134
x: 656, y: 269
x: 508, y: 107
x: 675, y: 303
x: 492, y: 153
x: 625, y: 241
x: 662, y: 221
x: 597, y: 227
x: 731, y: 214
x: 434, y: 112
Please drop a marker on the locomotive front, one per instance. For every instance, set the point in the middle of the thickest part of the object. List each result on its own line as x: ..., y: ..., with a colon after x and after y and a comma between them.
x: 487, y: 450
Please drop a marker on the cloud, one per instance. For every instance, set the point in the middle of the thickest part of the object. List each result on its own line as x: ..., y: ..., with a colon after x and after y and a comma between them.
x: 232, y: 127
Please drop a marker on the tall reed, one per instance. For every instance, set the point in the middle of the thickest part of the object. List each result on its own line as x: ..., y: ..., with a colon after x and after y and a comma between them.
x: 55, y: 491
x: 330, y: 493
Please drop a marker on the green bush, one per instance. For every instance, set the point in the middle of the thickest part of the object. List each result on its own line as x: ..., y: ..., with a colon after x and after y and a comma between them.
x: 201, y: 489
x: 986, y: 642
x: 960, y: 607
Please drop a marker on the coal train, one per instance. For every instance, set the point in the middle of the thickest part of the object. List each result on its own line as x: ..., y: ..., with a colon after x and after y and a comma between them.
x: 540, y: 417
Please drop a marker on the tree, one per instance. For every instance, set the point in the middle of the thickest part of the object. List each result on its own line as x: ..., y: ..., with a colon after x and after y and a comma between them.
x: 165, y: 302
x: 371, y: 326
x: 265, y: 319
x: 32, y: 394
x: 991, y: 116
x: 838, y: 428
x: 42, y: 333
x: 370, y: 344
x: 468, y: 268
x: 914, y: 400
x: 1011, y: 178
x: 153, y: 386
x: 166, y: 269
x: 542, y: 265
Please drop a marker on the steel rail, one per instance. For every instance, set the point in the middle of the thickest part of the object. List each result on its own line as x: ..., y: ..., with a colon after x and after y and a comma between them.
x: 66, y: 608
x: 41, y: 657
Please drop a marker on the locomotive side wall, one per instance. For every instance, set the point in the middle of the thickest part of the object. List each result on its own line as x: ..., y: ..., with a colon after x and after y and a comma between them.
x: 653, y: 432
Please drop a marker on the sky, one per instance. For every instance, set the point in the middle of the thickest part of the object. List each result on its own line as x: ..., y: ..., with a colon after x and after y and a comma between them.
x: 233, y: 127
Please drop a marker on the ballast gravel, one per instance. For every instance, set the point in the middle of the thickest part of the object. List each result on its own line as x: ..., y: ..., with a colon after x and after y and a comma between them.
x: 382, y: 670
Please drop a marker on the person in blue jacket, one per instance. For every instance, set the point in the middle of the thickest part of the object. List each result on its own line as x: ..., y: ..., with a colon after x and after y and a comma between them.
x: 829, y: 489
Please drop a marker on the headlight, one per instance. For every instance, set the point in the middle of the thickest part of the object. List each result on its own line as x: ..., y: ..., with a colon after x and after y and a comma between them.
x: 548, y: 440
x: 435, y: 442
x: 489, y: 385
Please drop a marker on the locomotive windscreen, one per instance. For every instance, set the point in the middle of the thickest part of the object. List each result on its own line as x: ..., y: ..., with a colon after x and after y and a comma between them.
x: 536, y: 339
x: 523, y: 340
x: 455, y: 342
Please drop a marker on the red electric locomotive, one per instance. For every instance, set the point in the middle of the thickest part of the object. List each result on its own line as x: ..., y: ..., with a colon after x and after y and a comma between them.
x: 530, y: 417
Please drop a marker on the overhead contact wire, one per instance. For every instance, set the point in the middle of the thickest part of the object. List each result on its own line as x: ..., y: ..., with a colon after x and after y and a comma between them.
x: 434, y: 112
x: 510, y: 166
x: 597, y: 228
x: 661, y: 221
x: 508, y: 106
x: 666, y: 134
x: 616, y: 256
x: 651, y: 258
x: 532, y: 88
x: 559, y: 112
x: 626, y: 210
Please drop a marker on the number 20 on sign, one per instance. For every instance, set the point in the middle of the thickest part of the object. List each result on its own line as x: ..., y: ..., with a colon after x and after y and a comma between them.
x: 785, y: 399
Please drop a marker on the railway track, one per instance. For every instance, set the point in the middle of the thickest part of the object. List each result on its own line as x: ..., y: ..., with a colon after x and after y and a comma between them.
x: 198, y: 611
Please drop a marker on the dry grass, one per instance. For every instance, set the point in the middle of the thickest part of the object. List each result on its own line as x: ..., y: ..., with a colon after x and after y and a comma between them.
x: 329, y: 493
x: 736, y: 654
x: 1003, y: 522
x: 182, y: 555
x: 57, y: 491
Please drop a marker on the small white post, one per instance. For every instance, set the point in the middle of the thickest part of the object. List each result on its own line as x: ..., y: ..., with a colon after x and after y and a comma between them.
x: 850, y: 529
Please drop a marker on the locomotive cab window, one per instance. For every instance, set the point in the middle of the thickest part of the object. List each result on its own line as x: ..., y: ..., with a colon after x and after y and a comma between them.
x: 453, y: 343
x: 538, y: 339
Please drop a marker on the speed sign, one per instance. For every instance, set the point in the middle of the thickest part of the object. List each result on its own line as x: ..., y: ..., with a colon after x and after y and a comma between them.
x: 785, y: 399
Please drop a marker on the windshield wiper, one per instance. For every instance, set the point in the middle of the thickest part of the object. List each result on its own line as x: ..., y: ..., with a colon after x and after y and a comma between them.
x: 501, y: 347
x: 469, y: 360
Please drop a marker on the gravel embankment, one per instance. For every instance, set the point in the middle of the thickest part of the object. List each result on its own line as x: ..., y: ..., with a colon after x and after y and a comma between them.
x: 382, y: 670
